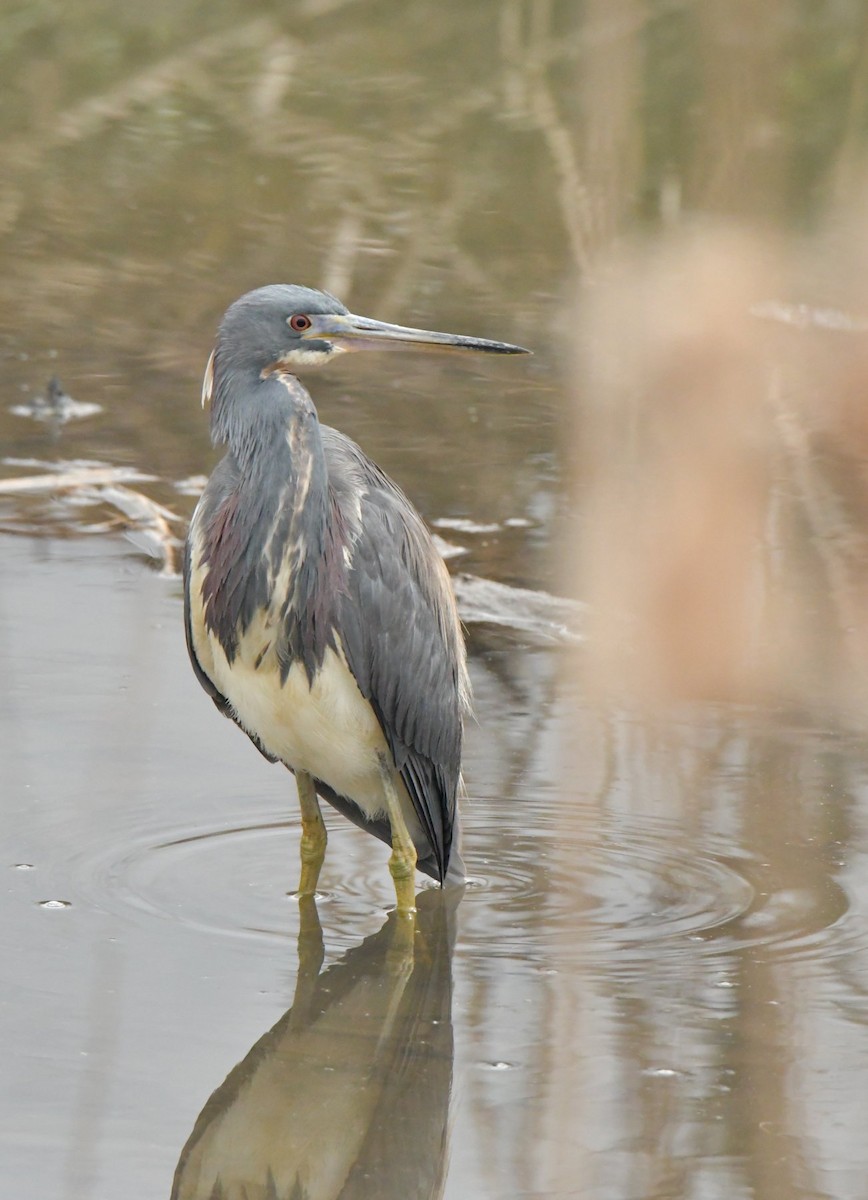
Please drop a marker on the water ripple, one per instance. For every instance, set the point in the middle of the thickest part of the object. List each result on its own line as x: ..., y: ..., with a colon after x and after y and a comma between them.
x: 634, y: 891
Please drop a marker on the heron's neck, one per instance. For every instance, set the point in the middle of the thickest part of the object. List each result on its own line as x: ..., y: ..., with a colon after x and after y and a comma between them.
x: 270, y: 543
x: 252, y: 415
x: 272, y: 431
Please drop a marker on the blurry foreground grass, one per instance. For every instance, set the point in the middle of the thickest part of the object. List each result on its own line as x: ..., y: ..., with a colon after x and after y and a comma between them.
x: 721, y: 471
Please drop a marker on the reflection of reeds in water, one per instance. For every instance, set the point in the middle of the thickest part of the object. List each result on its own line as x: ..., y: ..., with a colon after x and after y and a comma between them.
x: 348, y: 1094
x: 721, y: 502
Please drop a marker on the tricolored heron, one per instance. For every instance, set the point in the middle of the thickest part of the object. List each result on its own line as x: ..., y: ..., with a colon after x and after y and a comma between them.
x: 319, y: 614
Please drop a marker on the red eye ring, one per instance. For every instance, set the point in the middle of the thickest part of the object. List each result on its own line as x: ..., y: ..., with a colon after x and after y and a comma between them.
x: 299, y: 322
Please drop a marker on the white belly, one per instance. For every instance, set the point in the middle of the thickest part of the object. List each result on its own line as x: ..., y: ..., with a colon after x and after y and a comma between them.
x: 327, y: 729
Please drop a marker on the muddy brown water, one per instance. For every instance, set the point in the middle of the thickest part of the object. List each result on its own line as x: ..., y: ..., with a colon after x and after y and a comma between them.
x: 655, y: 984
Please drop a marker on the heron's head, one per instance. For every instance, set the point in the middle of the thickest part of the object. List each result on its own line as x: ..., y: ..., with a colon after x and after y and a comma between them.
x: 285, y: 327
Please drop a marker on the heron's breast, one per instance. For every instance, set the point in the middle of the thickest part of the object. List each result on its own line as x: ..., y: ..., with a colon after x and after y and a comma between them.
x: 325, y: 727
x: 300, y: 719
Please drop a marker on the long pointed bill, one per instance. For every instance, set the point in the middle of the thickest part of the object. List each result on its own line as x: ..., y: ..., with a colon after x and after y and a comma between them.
x: 348, y: 332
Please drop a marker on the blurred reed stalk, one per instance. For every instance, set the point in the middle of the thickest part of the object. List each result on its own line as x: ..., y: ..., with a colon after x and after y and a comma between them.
x: 721, y: 475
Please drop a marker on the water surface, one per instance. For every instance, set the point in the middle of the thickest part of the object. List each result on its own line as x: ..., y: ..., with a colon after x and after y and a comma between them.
x: 655, y: 984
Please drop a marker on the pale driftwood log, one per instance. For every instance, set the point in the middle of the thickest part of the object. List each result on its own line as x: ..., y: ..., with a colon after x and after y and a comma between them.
x: 149, y: 523
x: 544, y: 617
x: 70, y: 477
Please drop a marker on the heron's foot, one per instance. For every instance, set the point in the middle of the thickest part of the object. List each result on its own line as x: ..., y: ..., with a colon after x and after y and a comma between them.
x: 313, y: 835
x: 312, y: 850
x: 402, y: 867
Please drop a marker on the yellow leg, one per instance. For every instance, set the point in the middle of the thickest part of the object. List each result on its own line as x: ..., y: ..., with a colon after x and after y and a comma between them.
x: 313, y: 834
x: 402, y: 864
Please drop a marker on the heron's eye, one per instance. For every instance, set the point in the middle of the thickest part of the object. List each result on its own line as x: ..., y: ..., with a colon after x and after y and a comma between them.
x: 299, y: 322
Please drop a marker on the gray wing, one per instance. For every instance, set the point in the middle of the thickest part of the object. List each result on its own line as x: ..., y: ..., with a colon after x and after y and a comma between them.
x: 401, y: 636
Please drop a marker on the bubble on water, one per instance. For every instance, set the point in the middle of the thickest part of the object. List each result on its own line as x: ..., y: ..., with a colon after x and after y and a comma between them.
x: 476, y: 883
x: 55, y: 904
x: 23, y: 867
x: 499, y: 1065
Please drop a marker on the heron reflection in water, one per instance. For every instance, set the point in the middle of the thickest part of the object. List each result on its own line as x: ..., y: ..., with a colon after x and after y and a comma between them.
x: 319, y: 614
x: 348, y: 1095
